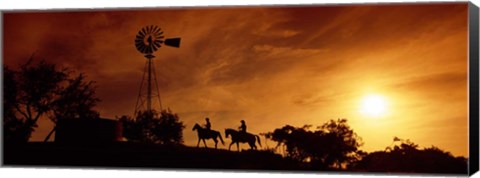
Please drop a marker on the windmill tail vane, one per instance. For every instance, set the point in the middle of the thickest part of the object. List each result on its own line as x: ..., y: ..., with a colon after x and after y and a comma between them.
x: 173, y: 42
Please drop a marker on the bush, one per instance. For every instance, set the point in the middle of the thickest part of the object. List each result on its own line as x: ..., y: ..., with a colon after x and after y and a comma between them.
x: 153, y: 127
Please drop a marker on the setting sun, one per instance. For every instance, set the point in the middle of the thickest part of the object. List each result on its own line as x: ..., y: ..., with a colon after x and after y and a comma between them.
x: 373, y: 105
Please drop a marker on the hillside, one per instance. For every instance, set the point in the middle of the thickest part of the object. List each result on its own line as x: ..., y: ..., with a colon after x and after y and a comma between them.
x: 136, y: 155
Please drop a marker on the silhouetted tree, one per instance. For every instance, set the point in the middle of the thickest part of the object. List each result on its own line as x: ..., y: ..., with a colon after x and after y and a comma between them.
x: 169, y: 130
x: 332, y: 145
x: 152, y: 127
x: 75, y: 101
x: 407, y: 157
x: 15, y: 129
x: 36, y: 86
x: 39, y: 90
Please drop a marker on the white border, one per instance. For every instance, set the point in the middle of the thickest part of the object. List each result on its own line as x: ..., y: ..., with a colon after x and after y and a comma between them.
x: 75, y: 4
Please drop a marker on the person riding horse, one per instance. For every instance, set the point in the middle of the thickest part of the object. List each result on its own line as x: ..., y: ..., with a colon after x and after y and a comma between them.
x: 242, y: 136
x: 206, y: 133
x: 243, y: 127
x: 208, y: 125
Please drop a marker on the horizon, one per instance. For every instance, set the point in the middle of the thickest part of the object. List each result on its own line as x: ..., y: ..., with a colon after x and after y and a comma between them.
x: 273, y: 66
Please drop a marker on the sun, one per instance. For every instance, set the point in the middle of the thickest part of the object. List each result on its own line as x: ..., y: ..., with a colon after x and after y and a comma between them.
x: 374, y: 105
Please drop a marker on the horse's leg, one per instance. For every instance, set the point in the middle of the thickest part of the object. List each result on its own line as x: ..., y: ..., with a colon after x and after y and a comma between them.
x: 204, y: 143
x: 198, y: 143
x: 230, y: 146
x: 216, y: 141
x: 238, y: 147
x: 251, y: 146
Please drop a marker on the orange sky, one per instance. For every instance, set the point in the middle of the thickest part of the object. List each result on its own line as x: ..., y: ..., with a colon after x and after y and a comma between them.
x: 272, y: 66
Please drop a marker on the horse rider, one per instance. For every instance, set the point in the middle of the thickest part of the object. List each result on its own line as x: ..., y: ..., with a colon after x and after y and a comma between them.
x: 243, y: 127
x: 208, y: 125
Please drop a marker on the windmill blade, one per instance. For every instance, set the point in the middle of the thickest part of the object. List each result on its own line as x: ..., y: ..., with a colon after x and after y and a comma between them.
x: 157, y: 30
x: 159, y: 35
x: 173, y: 42
x: 149, y: 29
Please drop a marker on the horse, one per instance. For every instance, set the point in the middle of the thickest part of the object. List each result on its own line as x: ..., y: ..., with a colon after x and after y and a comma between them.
x: 207, y: 134
x: 239, y: 137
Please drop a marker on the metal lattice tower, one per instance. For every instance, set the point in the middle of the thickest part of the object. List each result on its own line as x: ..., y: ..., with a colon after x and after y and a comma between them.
x: 148, y: 40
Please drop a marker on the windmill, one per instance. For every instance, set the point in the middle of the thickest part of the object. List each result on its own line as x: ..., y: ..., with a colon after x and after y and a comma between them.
x: 148, y: 40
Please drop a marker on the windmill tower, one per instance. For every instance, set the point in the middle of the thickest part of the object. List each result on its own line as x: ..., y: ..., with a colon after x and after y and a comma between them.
x: 148, y: 40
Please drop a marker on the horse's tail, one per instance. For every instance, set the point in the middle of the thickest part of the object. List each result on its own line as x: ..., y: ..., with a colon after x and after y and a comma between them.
x: 221, y: 139
x: 258, y: 139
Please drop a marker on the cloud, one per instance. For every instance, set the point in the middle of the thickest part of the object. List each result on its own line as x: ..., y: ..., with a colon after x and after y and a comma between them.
x: 441, y: 82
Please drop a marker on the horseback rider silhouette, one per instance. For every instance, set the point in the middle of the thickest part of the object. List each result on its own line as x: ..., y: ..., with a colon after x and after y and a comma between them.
x: 243, y: 127
x: 207, y: 133
x: 241, y: 136
x: 208, y: 125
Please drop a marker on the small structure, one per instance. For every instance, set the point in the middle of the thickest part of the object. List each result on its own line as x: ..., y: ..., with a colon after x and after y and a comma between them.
x: 84, y: 131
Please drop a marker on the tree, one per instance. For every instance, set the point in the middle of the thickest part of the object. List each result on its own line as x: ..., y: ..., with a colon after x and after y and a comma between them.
x: 332, y: 145
x: 41, y: 90
x: 15, y: 129
x: 407, y: 157
x: 75, y: 101
x: 152, y: 127
x: 169, y: 129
